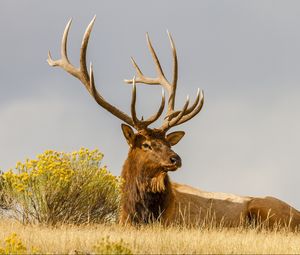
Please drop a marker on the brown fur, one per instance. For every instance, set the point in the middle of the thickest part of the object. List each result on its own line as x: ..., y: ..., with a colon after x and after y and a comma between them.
x: 148, y: 195
x: 145, y: 196
x: 274, y: 211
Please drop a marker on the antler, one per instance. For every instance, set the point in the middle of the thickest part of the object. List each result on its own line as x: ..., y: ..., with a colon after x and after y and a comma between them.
x: 173, y: 117
x: 142, y: 124
x: 87, y: 79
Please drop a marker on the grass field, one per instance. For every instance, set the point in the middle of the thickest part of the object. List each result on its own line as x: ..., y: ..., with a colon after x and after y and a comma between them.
x: 155, y: 239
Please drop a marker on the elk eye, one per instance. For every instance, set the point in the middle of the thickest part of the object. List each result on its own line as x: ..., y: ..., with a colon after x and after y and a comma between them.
x: 146, y: 146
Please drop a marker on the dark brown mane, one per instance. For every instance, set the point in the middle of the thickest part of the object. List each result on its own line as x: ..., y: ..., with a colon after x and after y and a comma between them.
x: 146, y: 192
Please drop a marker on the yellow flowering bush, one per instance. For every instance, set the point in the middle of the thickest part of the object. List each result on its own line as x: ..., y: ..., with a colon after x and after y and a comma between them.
x: 106, y: 246
x: 13, y: 245
x: 60, y: 187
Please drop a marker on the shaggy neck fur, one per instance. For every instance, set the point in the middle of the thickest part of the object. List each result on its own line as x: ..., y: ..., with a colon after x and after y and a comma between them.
x: 147, y: 192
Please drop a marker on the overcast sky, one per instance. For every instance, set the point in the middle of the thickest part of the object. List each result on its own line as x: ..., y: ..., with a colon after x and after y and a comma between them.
x: 245, y: 55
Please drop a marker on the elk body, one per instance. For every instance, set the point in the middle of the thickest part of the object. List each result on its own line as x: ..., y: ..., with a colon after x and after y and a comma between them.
x: 148, y: 194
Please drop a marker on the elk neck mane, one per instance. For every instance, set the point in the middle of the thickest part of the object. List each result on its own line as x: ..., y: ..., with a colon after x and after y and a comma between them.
x: 147, y: 190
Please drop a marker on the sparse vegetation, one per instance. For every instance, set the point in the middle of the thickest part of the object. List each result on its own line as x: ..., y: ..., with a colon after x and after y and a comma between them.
x: 62, y: 187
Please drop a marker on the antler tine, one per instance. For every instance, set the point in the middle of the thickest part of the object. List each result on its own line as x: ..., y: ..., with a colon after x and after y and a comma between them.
x: 175, y: 72
x: 141, y: 124
x: 83, y: 49
x: 161, y: 77
x: 63, y: 48
x: 186, y: 114
x: 155, y: 117
x: 64, y: 41
x: 64, y: 61
x: 133, y: 101
x: 192, y: 114
x: 138, y: 70
x: 140, y: 78
x: 168, y: 124
x: 190, y: 109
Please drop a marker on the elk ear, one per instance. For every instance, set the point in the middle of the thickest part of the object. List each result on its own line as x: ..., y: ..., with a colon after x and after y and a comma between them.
x: 174, y: 137
x: 128, y: 133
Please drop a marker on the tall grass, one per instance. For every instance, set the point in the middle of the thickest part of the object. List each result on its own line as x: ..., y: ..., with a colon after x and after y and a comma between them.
x: 153, y: 239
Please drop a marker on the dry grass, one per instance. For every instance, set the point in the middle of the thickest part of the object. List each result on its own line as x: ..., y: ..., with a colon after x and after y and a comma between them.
x: 153, y: 239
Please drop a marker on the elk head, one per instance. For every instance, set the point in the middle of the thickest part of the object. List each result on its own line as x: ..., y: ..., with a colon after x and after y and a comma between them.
x: 150, y: 153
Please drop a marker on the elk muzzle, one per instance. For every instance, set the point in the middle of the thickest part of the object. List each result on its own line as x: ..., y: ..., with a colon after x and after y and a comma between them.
x: 174, y: 163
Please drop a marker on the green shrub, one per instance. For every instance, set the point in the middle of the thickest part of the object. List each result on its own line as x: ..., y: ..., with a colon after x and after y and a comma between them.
x: 61, y: 187
x: 105, y: 246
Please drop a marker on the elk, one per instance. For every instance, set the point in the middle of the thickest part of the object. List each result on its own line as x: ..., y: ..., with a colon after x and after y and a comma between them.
x: 148, y: 195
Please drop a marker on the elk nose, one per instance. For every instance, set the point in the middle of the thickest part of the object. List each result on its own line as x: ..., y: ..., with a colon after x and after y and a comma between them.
x: 175, y: 160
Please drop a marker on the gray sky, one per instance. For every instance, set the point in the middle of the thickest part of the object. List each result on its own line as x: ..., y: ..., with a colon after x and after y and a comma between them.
x: 245, y: 55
